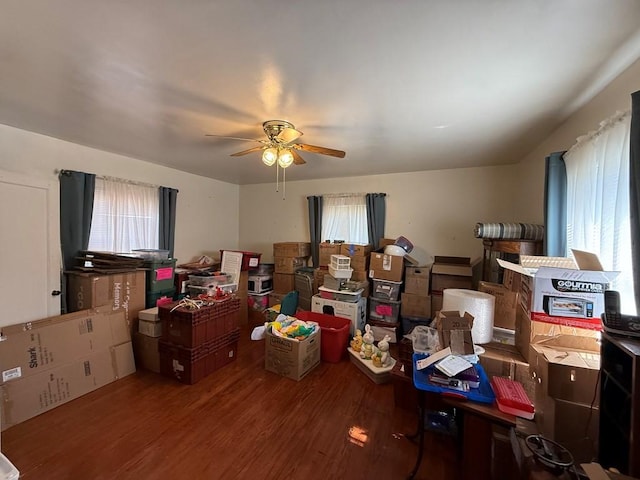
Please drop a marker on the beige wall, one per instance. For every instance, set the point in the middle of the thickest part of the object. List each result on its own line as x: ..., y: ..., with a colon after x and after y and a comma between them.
x: 615, y: 97
x: 203, y: 226
x: 436, y: 210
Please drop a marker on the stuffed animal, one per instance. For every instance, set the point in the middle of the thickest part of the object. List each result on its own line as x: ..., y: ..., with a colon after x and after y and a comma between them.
x: 366, y: 351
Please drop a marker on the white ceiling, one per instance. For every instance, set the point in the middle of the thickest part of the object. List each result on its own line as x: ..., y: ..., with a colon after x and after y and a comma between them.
x: 400, y: 85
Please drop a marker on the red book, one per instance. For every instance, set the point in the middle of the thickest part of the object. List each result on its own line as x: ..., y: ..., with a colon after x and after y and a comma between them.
x: 511, y: 397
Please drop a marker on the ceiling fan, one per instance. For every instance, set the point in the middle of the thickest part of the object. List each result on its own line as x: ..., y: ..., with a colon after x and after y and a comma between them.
x: 281, y: 146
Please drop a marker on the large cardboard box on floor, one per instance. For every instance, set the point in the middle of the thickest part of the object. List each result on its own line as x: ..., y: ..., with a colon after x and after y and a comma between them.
x: 504, y: 315
x: 292, y: 249
x: 124, y: 291
x: 563, y: 291
x: 33, y: 347
x: 292, y: 358
x: 27, y: 397
x: 145, y: 351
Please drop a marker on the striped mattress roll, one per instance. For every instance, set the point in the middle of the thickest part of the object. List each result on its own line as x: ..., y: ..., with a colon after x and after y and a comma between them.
x: 512, y: 231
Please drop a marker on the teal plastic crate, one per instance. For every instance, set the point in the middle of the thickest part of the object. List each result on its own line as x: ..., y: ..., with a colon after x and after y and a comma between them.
x: 153, y: 298
x: 160, y: 274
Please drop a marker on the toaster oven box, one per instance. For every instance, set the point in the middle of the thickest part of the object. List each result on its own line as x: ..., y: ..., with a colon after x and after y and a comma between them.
x: 562, y: 290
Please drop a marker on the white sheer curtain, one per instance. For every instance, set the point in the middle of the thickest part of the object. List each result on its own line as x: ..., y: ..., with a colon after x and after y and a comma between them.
x: 598, y: 200
x: 125, y: 216
x: 344, y: 217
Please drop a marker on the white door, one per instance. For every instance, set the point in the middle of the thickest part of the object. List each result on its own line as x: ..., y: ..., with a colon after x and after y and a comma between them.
x: 29, y: 249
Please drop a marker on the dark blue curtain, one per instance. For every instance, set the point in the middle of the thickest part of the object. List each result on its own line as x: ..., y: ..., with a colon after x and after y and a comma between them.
x: 315, y: 226
x: 634, y: 192
x: 76, y: 209
x: 376, y: 215
x: 555, y: 206
x: 167, y: 220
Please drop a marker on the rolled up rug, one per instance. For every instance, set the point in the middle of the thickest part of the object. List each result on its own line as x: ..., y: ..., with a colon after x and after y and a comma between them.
x: 511, y: 231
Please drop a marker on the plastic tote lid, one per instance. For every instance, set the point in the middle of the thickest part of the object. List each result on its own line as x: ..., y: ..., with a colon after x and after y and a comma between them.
x: 404, y: 243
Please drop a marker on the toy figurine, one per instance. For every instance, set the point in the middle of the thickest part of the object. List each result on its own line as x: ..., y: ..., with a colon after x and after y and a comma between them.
x: 381, y: 356
x: 356, y: 341
x: 366, y: 351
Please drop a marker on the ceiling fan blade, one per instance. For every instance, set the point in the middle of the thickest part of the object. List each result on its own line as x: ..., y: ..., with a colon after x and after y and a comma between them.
x: 322, y: 150
x: 244, y: 152
x: 234, y: 138
x: 297, y: 159
x: 288, y: 135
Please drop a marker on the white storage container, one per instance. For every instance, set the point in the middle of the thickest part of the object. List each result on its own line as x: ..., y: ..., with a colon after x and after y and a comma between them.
x: 150, y: 329
x: 7, y: 470
x: 340, y: 262
x: 386, y: 289
x: 356, y: 312
x: 342, y: 273
x: 342, y: 295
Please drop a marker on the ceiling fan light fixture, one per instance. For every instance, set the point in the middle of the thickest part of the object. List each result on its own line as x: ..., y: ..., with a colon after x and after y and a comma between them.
x: 269, y: 156
x: 285, y: 158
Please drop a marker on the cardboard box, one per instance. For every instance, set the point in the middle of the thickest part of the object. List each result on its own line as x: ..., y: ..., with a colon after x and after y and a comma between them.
x: 526, y: 330
x: 326, y: 250
x: 386, y: 267
x: 454, y: 331
x: 31, y: 348
x: 505, y: 361
x: 573, y: 425
x: 360, y: 263
x: 150, y: 329
x: 415, y: 305
x: 292, y: 358
x: 276, y: 298
x: 288, y: 264
x: 124, y: 291
x: 145, y: 351
x: 504, y: 315
x: 566, y: 368
x: 35, y: 394
x: 416, y: 280
x: 561, y: 291
x: 354, y: 311
x: 451, y: 272
x: 359, y: 275
x: 292, y: 249
x: 436, y: 304
x: 511, y: 280
x: 355, y: 250
x: 284, y: 282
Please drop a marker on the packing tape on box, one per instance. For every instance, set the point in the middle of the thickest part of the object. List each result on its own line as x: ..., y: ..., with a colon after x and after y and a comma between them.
x: 479, y: 304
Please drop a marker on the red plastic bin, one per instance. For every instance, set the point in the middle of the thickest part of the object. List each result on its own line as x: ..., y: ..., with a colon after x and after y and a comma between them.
x: 334, y: 334
x: 250, y: 260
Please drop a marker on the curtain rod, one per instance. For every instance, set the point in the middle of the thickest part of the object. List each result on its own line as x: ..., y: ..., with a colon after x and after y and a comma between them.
x: 603, y: 127
x: 130, y: 182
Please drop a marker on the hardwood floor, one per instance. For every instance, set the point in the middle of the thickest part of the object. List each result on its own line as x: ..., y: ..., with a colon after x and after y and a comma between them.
x: 241, y: 422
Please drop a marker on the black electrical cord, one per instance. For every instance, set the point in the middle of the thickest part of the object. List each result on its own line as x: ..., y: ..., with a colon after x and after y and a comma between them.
x: 549, y: 453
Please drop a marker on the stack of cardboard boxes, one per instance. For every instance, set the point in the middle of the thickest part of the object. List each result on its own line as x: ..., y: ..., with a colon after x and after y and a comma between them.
x: 145, y: 340
x: 416, y: 301
x: 386, y: 273
x: 555, y: 351
x: 287, y: 257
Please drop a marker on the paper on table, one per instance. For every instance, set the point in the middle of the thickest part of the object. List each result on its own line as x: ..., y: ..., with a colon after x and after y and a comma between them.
x: 431, y: 359
x: 453, y: 365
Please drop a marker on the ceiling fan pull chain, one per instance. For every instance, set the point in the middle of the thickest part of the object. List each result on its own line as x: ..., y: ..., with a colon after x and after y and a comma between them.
x: 284, y: 183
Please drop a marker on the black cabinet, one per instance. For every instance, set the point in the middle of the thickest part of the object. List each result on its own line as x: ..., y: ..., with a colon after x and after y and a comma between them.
x: 619, y: 438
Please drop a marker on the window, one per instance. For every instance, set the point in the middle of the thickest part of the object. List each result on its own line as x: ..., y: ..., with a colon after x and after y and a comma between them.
x: 598, y: 216
x: 344, y: 217
x: 125, y: 216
